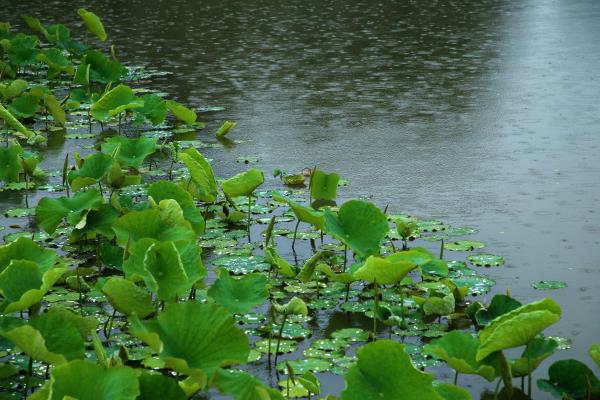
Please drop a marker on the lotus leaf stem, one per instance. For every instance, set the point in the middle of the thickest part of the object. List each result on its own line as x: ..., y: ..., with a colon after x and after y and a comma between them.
x: 279, y: 338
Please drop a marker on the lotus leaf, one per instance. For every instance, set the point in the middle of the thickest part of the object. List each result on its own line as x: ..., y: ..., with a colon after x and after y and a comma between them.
x: 83, y: 380
x: 241, y: 385
x: 93, y: 23
x: 344, y: 277
x: 383, y: 270
x: 595, y: 353
x: 130, y: 152
x: 13, y: 89
x: 225, y: 129
x: 24, y: 106
x: 115, y: 101
x: 464, y: 245
x: 536, y: 351
x: 157, y: 386
x: 518, y: 327
x: 451, y: 392
x: 10, y: 164
x: 359, y: 225
x: 19, y: 127
x: 242, y: 264
x: 459, y: 349
x: 162, y: 190
x: 486, y: 260
x: 243, y: 184
x: 202, y: 174
x: 384, y: 371
x: 181, y: 112
x: 500, y: 304
x: 104, y: 71
x: 154, y: 109
x: 570, y: 379
x: 94, y: 168
x: 296, y: 306
x: 439, y: 306
x: 128, y: 298
x: 351, y: 334
x: 50, y: 212
x: 549, y: 285
x: 280, y: 264
x: 194, y: 339
x: 323, y: 187
x: 305, y: 365
x: 26, y: 249
x: 303, y: 213
x: 239, y: 295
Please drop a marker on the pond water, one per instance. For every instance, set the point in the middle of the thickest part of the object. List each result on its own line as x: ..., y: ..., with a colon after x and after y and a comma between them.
x: 480, y: 113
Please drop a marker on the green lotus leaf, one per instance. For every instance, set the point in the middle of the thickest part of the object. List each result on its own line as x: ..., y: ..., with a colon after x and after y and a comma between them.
x: 94, y: 167
x: 93, y: 23
x: 19, y: 127
x: 162, y: 190
x: 570, y: 379
x: 115, y: 101
x: 383, y: 270
x: 305, y: 365
x: 24, y: 248
x: 23, y: 283
x: 241, y: 385
x: 83, y: 380
x: 536, y: 351
x: 486, y: 260
x: 344, y: 277
x: 54, y: 107
x: 280, y: 264
x: 13, y: 89
x: 98, y: 221
x: 351, y: 335
x: 459, y: 349
x: 464, y: 245
x: 439, y: 305
x: 595, y: 353
x: 181, y: 112
x: 154, y: 109
x: 50, y: 212
x: 285, y: 346
x: 103, y: 70
x: 359, y: 225
x: 22, y: 50
x: 417, y: 255
x: 243, y: 184
x: 225, y: 129
x: 308, y: 269
x: 303, y: 213
x: 452, y: 392
x: 10, y: 162
x: 384, y: 371
x: 128, y: 298
x: 518, y: 327
x: 202, y: 174
x: 435, y: 268
x: 549, y: 285
x: 31, y: 341
x: 130, y: 152
x: 296, y: 306
x: 239, y: 295
x: 157, y: 386
x: 153, y: 223
x: 500, y: 304
x: 323, y: 187
x: 242, y: 264
x: 193, y: 338
x: 24, y: 106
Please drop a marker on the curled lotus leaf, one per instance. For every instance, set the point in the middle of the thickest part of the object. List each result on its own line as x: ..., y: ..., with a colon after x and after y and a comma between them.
x: 117, y: 100
x: 323, y: 187
x: 303, y: 213
x: 92, y: 23
x: 201, y: 174
x: 296, y: 306
x: 570, y: 379
x: 536, y: 351
x: 384, y: 270
x: 243, y: 184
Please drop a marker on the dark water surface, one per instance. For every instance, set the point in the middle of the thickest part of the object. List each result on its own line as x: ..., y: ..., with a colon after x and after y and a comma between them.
x: 480, y: 113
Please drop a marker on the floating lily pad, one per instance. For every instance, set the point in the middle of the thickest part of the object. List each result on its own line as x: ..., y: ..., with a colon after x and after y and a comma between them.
x: 285, y: 346
x: 19, y: 212
x: 464, y: 245
x: 17, y: 186
x: 303, y: 366
x: 477, y: 284
x: 242, y: 264
x: 351, y: 334
x: 322, y: 304
x: 486, y: 260
x: 548, y: 285
x: 291, y: 389
x: 290, y: 331
x: 431, y: 226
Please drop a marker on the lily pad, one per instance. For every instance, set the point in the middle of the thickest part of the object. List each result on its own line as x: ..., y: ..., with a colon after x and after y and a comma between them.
x: 242, y: 264
x: 486, y: 260
x: 549, y: 285
x: 464, y: 245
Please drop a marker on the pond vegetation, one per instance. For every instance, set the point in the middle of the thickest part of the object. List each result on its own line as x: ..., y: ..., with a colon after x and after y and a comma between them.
x: 145, y: 276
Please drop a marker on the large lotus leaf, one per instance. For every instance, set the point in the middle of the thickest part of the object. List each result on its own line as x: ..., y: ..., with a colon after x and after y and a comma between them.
x: 50, y: 212
x: 193, y: 338
x: 303, y: 213
x: 131, y: 152
x: 13, y: 89
x: 518, y: 327
x: 152, y: 223
x: 158, y: 386
x: 117, y: 179
x: 344, y: 277
x: 241, y: 385
x: 93, y: 23
x: 280, y: 264
x: 202, y: 174
x: 537, y: 350
x: 26, y: 249
x: 500, y: 304
x: 384, y: 371
x: 19, y: 127
x: 439, y: 305
x: 128, y: 298
x: 54, y: 107
x: 452, y: 392
x: 24, y: 283
x: 459, y: 349
x: 83, y: 380
x: 383, y: 271
x: 323, y: 186
x: 98, y: 221
x: 161, y: 190
x: 595, y: 353
x: 29, y: 340
x: 10, y: 164
x: 239, y: 295
x: 358, y: 224
x: 163, y: 262
x: 155, y: 108
x: 24, y: 106
x: 115, y: 101
x: 23, y: 49
x: 102, y: 69
x: 570, y: 379
x: 94, y: 167
x: 418, y: 256
x: 181, y: 112
x: 243, y: 184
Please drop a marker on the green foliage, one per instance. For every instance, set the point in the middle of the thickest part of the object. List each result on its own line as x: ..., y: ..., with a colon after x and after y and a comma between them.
x: 115, y: 101
x: 50, y: 212
x: 129, y: 152
x: 239, y: 295
x: 202, y: 174
x: 570, y: 379
x: 243, y: 184
x: 93, y: 23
